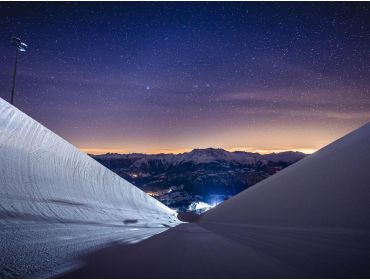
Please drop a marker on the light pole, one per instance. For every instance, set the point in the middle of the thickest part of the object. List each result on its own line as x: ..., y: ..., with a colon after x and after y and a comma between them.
x: 20, y: 47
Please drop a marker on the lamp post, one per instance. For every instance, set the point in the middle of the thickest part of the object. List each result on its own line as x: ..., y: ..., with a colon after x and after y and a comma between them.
x: 20, y: 47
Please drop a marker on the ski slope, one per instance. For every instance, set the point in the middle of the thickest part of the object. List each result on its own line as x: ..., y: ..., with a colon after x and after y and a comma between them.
x: 311, y: 220
x: 63, y: 214
x: 56, y: 202
x: 330, y: 188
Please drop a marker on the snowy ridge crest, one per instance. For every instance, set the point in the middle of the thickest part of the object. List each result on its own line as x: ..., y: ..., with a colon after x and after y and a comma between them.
x: 43, y: 177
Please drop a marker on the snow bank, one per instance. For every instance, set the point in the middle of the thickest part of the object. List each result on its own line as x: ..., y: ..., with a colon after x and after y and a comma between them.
x: 44, y: 178
x: 311, y: 220
x: 330, y: 188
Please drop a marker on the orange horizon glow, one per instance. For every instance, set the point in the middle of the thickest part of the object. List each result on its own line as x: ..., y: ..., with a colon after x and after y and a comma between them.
x: 265, y: 140
x: 101, y: 151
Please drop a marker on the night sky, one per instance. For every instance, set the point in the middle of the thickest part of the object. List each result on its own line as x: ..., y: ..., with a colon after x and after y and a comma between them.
x: 168, y: 77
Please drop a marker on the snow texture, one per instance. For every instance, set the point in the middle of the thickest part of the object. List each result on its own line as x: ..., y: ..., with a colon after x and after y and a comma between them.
x: 53, y: 192
x: 208, y: 155
x: 330, y: 188
x: 311, y: 220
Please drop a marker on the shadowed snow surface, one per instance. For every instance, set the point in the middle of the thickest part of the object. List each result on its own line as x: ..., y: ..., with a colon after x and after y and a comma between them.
x: 311, y: 220
x: 56, y: 202
x: 330, y: 188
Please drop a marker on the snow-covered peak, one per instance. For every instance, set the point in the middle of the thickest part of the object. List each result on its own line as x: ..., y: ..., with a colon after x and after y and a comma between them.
x: 288, y: 156
x: 207, y: 155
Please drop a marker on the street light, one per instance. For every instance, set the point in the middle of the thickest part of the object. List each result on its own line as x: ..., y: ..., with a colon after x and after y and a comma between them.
x: 20, y: 47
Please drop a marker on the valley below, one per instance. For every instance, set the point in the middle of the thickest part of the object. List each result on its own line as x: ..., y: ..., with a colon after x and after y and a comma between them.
x: 197, y: 180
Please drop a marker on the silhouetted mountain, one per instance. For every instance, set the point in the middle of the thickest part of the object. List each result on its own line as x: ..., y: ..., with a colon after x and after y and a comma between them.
x: 208, y: 175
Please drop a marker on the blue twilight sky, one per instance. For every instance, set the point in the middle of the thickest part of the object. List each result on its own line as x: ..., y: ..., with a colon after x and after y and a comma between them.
x: 171, y: 76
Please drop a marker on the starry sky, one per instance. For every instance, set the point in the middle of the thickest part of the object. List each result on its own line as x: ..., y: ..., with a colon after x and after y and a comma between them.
x: 171, y: 76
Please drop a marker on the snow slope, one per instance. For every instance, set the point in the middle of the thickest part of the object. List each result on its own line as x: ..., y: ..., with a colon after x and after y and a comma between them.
x: 49, y: 186
x: 311, y: 220
x: 330, y: 188
x: 313, y: 217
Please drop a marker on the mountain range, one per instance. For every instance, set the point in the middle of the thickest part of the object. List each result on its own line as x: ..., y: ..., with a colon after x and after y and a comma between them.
x: 207, y: 175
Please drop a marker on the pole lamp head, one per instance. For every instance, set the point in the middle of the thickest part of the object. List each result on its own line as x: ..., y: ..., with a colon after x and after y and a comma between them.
x: 22, y: 47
